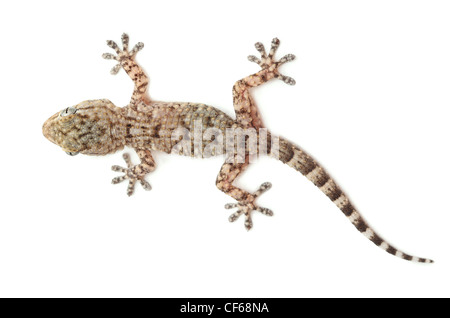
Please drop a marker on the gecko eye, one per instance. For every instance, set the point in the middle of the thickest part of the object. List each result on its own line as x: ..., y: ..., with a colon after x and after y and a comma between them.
x: 68, y: 111
x: 71, y: 153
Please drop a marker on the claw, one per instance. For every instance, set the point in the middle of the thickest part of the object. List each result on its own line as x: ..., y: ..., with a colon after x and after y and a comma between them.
x: 263, y: 188
x: 127, y: 159
x: 118, y: 169
x: 288, y: 80
x: 265, y: 211
x: 260, y: 48
x: 231, y: 205
x: 125, y: 40
x: 286, y: 58
x: 114, y: 46
x: 233, y: 217
x: 248, y: 222
x: 109, y: 56
x: 117, y: 180
x: 254, y: 59
x: 130, y: 189
x: 274, y: 47
x: 139, y: 46
x: 116, y: 69
x: 145, y: 185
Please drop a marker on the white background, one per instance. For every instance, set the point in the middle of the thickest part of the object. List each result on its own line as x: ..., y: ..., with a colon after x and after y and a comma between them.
x: 371, y: 104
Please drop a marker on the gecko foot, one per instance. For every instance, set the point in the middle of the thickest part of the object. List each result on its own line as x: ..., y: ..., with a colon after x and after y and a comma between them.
x: 132, y: 174
x: 247, y: 206
x: 269, y: 62
x: 122, y: 55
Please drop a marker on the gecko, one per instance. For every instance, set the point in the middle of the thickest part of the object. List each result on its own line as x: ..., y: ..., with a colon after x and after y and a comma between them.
x: 98, y: 127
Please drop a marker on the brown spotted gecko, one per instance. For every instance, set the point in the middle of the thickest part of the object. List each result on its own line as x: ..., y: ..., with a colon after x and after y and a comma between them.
x: 98, y: 127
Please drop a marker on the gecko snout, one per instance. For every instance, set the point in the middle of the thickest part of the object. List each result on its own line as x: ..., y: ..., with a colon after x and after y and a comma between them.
x: 47, y: 128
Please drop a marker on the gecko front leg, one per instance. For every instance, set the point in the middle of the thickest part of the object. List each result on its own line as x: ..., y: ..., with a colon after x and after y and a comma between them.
x: 135, y: 173
x: 127, y: 61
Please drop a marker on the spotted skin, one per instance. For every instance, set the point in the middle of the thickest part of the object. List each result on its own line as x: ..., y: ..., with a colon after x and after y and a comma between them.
x: 98, y: 127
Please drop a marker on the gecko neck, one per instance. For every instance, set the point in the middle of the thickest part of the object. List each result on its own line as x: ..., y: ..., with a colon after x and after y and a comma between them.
x: 136, y: 128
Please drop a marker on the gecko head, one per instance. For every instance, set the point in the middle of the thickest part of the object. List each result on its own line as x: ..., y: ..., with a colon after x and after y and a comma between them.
x: 86, y: 128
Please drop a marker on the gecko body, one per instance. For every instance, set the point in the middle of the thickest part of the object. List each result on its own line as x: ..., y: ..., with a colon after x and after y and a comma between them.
x: 98, y: 127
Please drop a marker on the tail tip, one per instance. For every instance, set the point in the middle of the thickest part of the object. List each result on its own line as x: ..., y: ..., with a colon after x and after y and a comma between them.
x: 423, y: 260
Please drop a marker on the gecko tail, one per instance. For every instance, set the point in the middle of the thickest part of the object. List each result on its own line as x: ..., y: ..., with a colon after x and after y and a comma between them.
x: 296, y: 158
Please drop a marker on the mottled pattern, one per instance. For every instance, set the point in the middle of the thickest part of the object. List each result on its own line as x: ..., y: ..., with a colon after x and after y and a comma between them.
x: 97, y: 127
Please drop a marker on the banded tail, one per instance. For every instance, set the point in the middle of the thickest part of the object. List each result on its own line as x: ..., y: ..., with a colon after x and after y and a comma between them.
x: 296, y: 158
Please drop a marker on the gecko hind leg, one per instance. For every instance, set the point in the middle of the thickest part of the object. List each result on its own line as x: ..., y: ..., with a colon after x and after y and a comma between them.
x: 268, y: 62
x: 247, y: 207
x: 245, y: 200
